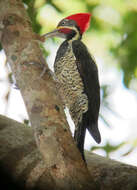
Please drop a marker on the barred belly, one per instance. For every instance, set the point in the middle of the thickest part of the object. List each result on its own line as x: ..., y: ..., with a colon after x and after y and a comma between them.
x: 70, y: 85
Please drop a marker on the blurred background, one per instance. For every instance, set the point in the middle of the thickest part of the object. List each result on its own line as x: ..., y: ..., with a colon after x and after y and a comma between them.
x: 112, y: 40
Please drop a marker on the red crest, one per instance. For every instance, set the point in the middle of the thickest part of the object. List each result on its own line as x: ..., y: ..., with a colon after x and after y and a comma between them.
x: 82, y: 20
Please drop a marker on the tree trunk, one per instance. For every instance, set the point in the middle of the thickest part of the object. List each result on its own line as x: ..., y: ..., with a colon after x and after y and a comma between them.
x: 21, y: 160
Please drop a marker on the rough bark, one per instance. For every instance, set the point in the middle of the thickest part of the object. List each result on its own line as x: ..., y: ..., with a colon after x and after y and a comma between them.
x: 21, y: 160
x: 61, y: 158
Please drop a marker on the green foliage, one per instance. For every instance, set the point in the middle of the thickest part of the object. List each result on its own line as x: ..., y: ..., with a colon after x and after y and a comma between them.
x: 126, y: 52
x: 108, y: 148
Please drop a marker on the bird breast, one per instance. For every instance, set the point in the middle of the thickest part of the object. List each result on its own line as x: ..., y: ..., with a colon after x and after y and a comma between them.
x: 68, y: 77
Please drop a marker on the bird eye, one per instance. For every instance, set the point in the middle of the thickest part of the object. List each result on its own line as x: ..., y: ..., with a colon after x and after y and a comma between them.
x: 63, y: 22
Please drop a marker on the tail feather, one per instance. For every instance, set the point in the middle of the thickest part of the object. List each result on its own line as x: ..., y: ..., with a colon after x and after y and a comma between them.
x: 79, y: 137
x: 93, y: 130
x: 80, y: 132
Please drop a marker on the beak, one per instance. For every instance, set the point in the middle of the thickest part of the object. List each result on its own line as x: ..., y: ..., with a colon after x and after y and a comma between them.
x: 54, y: 33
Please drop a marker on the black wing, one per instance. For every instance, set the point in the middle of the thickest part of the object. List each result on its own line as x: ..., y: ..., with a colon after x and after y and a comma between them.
x: 89, y: 74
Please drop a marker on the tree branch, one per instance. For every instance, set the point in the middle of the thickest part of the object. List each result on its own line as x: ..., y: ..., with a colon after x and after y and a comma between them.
x: 53, y: 138
x: 20, y: 157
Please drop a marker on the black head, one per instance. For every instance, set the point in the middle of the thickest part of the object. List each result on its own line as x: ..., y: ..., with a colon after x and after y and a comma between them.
x: 71, y: 27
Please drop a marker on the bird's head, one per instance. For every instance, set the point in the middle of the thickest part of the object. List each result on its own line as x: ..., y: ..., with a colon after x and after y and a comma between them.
x: 72, y: 26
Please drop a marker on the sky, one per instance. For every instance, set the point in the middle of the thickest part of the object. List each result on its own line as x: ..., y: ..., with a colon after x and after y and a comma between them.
x: 123, y: 101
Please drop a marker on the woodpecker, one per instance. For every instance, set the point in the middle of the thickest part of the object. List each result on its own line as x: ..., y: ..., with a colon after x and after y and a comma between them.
x: 77, y: 77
